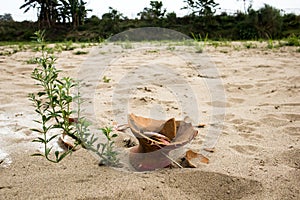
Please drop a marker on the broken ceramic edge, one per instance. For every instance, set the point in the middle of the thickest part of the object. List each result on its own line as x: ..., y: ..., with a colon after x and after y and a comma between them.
x: 68, y: 142
x: 193, y: 159
x: 152, y: 154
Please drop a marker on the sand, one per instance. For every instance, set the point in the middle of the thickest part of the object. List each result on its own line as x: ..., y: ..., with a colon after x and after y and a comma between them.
x: 247, y: 98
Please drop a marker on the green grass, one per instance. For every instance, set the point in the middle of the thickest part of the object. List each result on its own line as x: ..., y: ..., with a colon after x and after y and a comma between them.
x: 249, y: 45
x: 80, y: 52
x: 31, y: 61
x: 152, y: 51
x: 171, y: 48
x: 106, y: 79
x: 127, y: 45
x: 200, y: 43
x: 293, y: 41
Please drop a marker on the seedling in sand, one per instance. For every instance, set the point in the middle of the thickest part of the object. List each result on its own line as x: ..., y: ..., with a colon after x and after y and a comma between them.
x: 200, y: 44
x: 53, y: 106
x: 105, y: 79
x: 80, y: 52
x: 106, y: 150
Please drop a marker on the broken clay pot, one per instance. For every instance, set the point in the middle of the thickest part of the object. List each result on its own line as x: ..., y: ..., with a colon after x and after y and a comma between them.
x: 156, y: 139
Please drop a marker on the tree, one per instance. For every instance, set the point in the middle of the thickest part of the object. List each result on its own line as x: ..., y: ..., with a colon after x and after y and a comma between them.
x: 113, y: 15
x: 247, y: 8
x: 269, y: 22
x: 78, y: 12
x: 6, y: 17
x: 52, y: 11
x: 201, y: 7
x: 155, y: 12
x: 47, y: 10
x: 111, y: 21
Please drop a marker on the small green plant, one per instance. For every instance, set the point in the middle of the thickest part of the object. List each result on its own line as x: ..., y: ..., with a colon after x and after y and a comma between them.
x: 58, y: 47
x: 101, y: 40
x: 53, y: 106
x: 293, y: 40
x: 223, y: 51
x: 80, y: 52
x: 152, y: 51
x: 50, y: 50
x: 237, y: 47
x: 270, y: 44
x: 106, y: 150
x: 32, y: 61
x: 171, y: 48
x: 52, y: 103
x: 200, y: 44
x: 127, y: 45
x: 105, y: 79
x: 215, y: 44
x: 68, y: 46
x: 250, y: 45
x: 5, y: 53
x: 21, y: 47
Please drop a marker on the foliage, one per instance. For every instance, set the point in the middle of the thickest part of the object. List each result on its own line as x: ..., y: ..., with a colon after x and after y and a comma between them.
x: 6, y: 17
x: 111, y: 20
x: 266, y: 22
x: 270, y: 44
x: 53, y: 106
x: 293, y: 40
x: 53, y: 11
x: 32, y: 61
x: 201, y: 7
x: 106, y: 150
x: 200, y: 44
x: 155, y: 12
x: 52, y: 103
x: 269, y: 22
x: 80, y: 52
x: 105, y: 79
x: 250, y: 45
x: 127, y: 45
x: 249, y: 7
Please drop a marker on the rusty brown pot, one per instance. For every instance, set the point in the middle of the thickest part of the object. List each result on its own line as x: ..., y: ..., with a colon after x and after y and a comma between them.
x: 156, y: 139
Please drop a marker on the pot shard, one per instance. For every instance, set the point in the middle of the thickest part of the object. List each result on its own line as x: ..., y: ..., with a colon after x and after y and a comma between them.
x: 156, y: 139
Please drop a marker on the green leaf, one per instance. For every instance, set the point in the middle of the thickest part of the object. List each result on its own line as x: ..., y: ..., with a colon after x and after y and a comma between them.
x: 48, y: 118
x: 62, y: 156
x: 41, y: 94
x: 103, y: 147
x: 39, y: 139
x: 38, y: 111
x: 57, y: 126
x: 98, y: 146
x: 39, y: 122
x: 114, y: 135
x: 54, y: 136
x: 47, y: 151
x: 61, y: 83
x: 36, y: 130
x: 56, y: 154
x: 37, y: 154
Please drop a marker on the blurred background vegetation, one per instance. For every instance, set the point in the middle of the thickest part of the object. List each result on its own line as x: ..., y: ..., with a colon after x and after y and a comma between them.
x: 66, y: 20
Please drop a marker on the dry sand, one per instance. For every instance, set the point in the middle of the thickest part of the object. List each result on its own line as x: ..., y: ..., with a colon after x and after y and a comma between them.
x: 257, y: 148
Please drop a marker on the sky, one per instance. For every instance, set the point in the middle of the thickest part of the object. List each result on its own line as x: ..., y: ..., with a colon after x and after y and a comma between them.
x: 130, y: 8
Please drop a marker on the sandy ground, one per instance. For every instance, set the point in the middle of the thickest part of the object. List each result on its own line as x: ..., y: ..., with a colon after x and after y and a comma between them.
x: 249, y: 100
